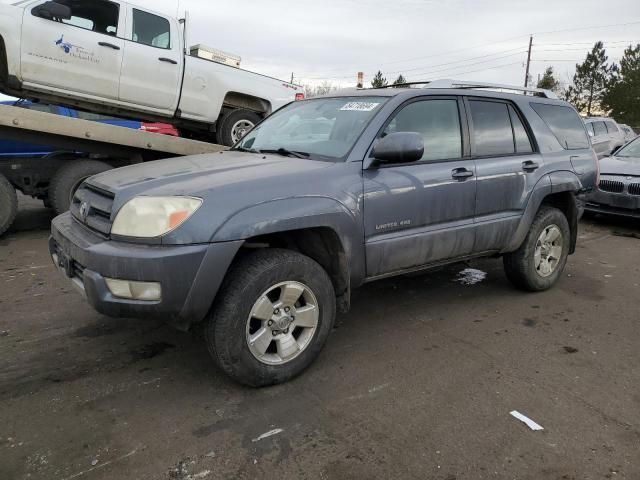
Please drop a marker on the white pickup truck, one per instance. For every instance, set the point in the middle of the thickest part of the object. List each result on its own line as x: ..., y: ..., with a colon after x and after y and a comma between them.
x: 112, y: 57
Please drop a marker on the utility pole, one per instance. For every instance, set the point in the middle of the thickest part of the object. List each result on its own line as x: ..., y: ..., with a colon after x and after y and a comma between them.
x: 526, y: 76
x: 291, y: 77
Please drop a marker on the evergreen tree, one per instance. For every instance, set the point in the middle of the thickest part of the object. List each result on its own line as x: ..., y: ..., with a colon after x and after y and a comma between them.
x: 548, y: 81
x: 400, y: 80
x: 590, y: 81
x: 622, y: 97
x: 379, y: 81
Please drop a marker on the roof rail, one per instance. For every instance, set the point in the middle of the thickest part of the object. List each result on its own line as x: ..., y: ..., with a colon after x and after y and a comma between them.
x: 447, y: 83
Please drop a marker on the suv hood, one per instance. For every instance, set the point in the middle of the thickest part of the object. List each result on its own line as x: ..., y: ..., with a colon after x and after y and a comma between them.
x: 620, y: 166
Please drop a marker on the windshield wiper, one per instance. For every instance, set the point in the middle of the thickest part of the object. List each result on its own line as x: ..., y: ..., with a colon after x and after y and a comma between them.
x: 248, y: 150
x: 286, y: 153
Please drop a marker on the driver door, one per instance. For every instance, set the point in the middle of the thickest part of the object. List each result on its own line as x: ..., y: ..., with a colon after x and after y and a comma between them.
x: 82, y: 55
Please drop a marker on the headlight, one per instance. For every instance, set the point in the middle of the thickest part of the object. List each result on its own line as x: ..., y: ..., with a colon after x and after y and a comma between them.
x: 148, y: 217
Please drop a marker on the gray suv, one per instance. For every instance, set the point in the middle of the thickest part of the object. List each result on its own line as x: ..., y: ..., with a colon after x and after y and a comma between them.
x: 260, y: 245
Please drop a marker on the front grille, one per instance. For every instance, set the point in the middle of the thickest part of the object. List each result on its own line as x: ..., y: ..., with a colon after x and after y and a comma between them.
x: 611, y: 186
x: 92, y: 207
x: 634, y: 189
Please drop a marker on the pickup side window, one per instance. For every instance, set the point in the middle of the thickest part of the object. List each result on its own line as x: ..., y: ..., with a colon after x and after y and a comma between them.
x: 152, y: 30
x: 100, y: 16
x: 565, y: 124
x: 438, y: 121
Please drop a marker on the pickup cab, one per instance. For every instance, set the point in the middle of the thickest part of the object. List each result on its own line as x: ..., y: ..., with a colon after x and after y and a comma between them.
x: 112, y: 57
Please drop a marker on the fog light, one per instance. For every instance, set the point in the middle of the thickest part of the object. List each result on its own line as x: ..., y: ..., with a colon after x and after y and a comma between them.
x: 147, y: 291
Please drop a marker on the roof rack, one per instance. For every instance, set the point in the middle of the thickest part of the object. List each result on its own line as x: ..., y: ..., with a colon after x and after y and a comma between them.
x: 448, y: 83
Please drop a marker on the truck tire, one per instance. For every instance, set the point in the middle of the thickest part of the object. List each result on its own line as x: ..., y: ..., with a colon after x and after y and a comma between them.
x: 68, y: 178
x: 235, y: 125
x: 271, y: 317
x: 538, y: 263
x: 8, y: 204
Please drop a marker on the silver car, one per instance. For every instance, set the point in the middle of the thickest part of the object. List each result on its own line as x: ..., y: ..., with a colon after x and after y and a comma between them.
x: 618, y: 191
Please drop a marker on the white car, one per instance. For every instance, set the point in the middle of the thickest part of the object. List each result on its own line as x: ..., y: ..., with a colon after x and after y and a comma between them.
x: 605, y: 135
x: 112, y: 57
x: 629, y: 134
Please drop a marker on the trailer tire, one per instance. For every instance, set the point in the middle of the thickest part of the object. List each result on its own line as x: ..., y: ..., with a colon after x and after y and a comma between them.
x: 234, y: 125
x: 8, y: 204
x: 68, y: 178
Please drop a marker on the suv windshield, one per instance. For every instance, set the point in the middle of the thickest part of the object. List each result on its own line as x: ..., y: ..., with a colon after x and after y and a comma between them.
x: 631, y: 150
x: 321, y: 128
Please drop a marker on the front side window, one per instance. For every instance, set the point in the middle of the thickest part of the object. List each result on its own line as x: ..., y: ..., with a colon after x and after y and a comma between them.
x: 152, y: 30
x: 322, y: 128
x: 492, y: 130
x: 565, y: 124
x: 99, y: 16
x: 438, y: 121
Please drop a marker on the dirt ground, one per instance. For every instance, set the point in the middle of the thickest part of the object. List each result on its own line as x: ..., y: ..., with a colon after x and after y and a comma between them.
x: 417, y: 382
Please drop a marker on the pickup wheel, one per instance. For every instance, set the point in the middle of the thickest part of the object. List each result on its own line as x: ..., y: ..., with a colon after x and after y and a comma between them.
x: 271, y: 317
x: 8, y: 204
x: 540, y: 260
x: 235, y: 125
x: 68, y: 178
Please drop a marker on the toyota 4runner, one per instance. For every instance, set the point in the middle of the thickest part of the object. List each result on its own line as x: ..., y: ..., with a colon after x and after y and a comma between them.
x: 260, y: 245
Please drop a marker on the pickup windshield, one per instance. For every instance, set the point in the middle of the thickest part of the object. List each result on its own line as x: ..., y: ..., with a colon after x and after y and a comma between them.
x: 323, y: 128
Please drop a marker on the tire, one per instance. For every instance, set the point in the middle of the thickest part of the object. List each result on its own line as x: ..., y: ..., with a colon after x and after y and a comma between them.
x: 521, y: 266
x: 234, y: 120
x: 68, y: 178
x: 231, y: 323
x: 8, y: 204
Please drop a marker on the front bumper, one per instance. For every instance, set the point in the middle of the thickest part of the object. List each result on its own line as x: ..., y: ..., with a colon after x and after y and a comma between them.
x: 190, y: 275
x: 608, y: 203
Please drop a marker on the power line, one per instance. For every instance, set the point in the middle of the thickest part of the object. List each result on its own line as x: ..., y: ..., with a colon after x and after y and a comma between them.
x: 588, y: 28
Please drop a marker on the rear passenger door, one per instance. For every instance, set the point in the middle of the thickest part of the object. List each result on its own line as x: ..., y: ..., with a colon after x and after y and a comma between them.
x: 152, y: 63
x: 600, y: 140
x: 507, y: 169
x: 422, y: 212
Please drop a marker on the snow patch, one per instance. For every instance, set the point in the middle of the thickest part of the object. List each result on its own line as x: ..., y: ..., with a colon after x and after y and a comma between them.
x: 471, y: 276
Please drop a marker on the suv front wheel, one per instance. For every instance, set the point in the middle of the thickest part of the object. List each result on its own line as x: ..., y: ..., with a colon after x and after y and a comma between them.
x: 540, y: 260
x: 271, y: 317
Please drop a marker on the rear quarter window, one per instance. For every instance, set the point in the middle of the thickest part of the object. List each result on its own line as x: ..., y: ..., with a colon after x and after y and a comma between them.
x: 565, y: 124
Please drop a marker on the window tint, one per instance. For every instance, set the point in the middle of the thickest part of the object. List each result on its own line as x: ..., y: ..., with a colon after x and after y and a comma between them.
x: 599, y: 128
x: 491, y: 128
x: 438, y: 121
x: 611, y: 127
x: 565, y: 124
x: 151, y: 29
x: 523, y: 143
x: 97, y: 15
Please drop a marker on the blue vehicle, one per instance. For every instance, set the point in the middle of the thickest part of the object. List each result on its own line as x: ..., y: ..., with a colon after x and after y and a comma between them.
x: 45, y: 172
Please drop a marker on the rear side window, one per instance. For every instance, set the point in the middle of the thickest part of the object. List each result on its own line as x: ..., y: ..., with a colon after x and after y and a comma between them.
x: 151, y: 30
x: 520, y: 135
x: 599, y: 128
x: 438, y: 121
x: 492, y: 131
x: 565, y: 124
x: 98, y: 15
x: 611, y: 127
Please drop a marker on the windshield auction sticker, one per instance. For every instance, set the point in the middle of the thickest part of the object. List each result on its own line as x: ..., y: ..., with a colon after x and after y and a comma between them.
x: 359, y: 106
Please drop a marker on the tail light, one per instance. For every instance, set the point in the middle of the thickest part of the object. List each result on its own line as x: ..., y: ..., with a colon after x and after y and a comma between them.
x: 299, y: 96
x: 595, y: 157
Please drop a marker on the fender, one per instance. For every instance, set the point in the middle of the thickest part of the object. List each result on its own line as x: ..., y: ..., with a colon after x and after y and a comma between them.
x: 299, y: 213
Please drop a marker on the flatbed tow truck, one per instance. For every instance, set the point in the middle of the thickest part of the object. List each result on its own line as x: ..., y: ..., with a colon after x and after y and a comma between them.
x: 85, y: 149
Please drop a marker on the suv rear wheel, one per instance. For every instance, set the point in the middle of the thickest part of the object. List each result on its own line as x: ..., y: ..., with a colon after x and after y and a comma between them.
x: 540, y: 260
x: 274, y: 314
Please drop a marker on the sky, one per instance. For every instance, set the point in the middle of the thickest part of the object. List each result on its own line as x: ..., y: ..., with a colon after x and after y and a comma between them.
x: 481, y: 40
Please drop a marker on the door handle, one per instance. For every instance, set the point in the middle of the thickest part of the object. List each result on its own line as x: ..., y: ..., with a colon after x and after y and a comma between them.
x: 168, y: 60
x: 530, y: 166
x: 461, y: 174
x: 109, y: 45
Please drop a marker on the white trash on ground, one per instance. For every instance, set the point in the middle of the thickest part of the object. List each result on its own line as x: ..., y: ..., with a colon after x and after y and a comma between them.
x: 526, y: 420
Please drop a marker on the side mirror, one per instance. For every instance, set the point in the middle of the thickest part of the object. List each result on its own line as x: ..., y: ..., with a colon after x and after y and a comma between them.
x: 400, y: 147
x: 51, y: 10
